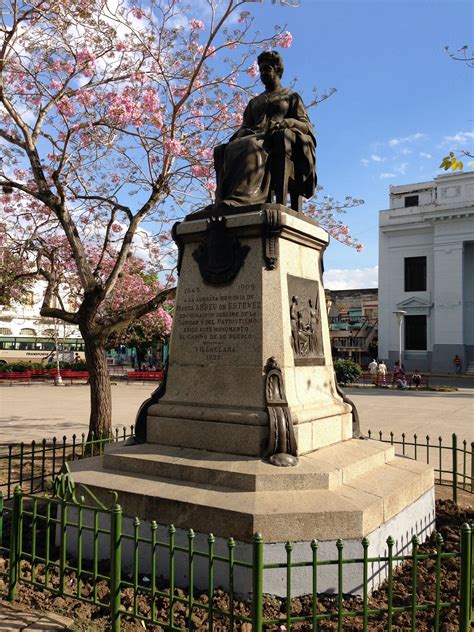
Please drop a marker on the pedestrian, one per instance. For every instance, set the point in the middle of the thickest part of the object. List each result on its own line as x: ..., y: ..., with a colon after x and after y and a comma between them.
x: 373, y: 366
x: 416, y: 378
x: 399, y: 377
x: 382, y: 373
x: 457, y: 363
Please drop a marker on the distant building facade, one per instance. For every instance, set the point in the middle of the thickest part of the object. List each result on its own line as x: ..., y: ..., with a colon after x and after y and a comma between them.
x: 426, y: 269
x: 353, y: 320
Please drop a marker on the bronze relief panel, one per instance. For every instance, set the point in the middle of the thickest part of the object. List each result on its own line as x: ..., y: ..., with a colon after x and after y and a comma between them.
x: 305, y: 318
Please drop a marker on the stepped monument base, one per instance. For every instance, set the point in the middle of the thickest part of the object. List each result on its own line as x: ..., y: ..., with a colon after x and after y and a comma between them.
x: 250, y: 385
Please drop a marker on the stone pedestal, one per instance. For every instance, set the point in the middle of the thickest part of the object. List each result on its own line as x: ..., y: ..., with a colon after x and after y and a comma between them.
x: 250, y: 289
x: 225, y: 332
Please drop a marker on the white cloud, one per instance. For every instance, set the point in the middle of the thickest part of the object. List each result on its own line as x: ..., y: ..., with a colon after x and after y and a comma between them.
x: 386, y: 174
x: 405, y: 139
x: 377, y: 158
x: 423, y: 154
x: 405, y: 151
x: 357, y: 278
x: 365, y: 162
x: 460, y: 137
x: 402, y: 167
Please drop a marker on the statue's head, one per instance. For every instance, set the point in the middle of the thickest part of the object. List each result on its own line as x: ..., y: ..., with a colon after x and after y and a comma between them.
x: 272, y: 58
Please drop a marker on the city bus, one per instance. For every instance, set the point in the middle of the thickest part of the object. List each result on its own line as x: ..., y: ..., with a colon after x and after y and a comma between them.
x: 39, y: 349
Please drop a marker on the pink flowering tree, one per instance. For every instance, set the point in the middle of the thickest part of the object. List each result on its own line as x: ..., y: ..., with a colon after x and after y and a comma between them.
x: 108, y: 115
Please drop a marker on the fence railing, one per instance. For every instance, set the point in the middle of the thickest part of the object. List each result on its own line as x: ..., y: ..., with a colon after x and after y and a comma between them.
x: 33, y: 465
x: 67, y: 546
x: 453, y: 461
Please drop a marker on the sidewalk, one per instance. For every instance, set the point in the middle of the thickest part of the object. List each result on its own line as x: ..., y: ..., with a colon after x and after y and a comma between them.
x: 13, y: 618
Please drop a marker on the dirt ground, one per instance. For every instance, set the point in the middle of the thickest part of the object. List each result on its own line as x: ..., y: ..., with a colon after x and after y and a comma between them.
x: 449, y: 519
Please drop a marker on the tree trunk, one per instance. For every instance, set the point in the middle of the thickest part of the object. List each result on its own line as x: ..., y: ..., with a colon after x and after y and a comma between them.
x: 100, y: 422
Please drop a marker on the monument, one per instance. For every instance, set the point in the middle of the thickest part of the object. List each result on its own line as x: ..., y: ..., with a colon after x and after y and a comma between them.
x: 250, y: 432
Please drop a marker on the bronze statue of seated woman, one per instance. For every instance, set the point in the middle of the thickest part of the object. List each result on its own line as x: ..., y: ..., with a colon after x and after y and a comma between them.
x: 273, y: 153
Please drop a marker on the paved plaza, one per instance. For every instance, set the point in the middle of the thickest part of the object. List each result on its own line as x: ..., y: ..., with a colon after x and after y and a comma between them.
x: 43, y: 410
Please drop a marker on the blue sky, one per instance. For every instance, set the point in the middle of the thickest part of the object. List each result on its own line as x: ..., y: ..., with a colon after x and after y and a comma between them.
x: 399, y: 101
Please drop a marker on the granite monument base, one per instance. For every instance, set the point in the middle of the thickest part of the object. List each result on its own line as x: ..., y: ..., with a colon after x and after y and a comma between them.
x: 250, y: 375
x: 369, y: 493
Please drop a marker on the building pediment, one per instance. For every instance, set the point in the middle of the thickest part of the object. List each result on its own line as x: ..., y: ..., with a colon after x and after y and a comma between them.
x: 415, y: 305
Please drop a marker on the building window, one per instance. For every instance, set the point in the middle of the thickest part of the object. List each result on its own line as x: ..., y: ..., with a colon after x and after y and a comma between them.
x: 26, y: 331
x: 415, y: 333
x: 415, y: 274
x: 5, y: 331
x: 411, y: 200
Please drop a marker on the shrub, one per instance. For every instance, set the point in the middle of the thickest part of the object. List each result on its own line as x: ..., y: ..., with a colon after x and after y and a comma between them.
x: 347, y: 371
x: 16, y: 367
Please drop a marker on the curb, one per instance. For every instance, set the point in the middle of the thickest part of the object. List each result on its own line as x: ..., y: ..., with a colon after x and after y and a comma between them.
x: 12, y: 617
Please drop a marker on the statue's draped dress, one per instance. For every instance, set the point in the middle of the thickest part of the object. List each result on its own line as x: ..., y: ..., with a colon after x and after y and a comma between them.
x: 242, y: 164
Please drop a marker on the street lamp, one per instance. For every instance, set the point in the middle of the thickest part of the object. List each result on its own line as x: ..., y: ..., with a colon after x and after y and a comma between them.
x: 400, y: 313
x: 58, y: 381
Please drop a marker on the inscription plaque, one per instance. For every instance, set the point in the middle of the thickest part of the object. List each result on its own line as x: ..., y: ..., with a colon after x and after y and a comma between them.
x: 305, y: 319
x: 213, y: 326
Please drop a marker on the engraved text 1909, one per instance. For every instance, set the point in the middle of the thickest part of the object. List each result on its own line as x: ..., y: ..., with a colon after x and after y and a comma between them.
x: 215, y: 325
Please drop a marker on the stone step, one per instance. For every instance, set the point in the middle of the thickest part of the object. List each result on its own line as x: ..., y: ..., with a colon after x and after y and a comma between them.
x: 353, y: 509
x: 317, y: 470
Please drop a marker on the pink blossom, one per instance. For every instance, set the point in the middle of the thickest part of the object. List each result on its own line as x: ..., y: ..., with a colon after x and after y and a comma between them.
x: 121, y: 46
x: 124, y: 109
x: 167, y: 320
x: 66, y: 107
x: 210, y: 52
x: 199, y: 170
x: 253, y: 70
x: 210, y: 185
x: 359, y: 247
x: 207, y: 153
x: 173, y: 146
x: 116, y: 178
x: 178, y: 91
x: 284, y: 39
x: 197, y: 25
x: 56, y: 85
x: 243, y: 16
x: 150, y: 101
x: 116, y: 228
x: 138, y: 13
x: 85, y: 97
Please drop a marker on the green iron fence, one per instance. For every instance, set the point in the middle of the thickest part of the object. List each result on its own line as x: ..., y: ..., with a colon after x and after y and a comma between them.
x: 37, y: 531
x: 33, y: 465
x: 453, y: 461
x: 44, y: 529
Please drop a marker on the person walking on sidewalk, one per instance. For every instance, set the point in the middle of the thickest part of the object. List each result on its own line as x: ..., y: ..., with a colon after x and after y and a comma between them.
x: 457, y: 363
x: 382, y: 373
x: 373, y: 366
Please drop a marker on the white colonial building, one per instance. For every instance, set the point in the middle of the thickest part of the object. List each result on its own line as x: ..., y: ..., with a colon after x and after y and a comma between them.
x: 426, y: 269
